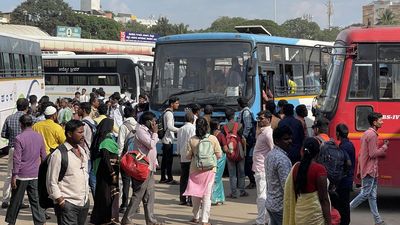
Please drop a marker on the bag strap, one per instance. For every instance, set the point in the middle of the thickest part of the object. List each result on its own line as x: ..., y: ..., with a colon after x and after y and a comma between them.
x: 226, y: 130
x: 64, y: 161
x: 163, y: 118
x: 235, y: 128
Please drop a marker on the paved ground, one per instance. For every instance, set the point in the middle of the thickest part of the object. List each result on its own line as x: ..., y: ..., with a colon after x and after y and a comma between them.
x: 233, y: 212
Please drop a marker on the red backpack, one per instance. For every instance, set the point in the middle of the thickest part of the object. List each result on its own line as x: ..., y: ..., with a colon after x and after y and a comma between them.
x: 234, y: 141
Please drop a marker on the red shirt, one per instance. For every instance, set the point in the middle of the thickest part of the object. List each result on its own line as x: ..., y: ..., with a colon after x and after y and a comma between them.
x: 370, y: 154
x: 315, y: 171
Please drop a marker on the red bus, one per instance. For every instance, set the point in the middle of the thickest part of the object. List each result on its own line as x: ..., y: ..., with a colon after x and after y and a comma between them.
x: 364, y: 76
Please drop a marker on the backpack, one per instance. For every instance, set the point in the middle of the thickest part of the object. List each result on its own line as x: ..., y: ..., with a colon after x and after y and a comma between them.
x: 128, y: 144
x: 251, y: 138
x: 162, y: 128
x: 44, y: 200
x: 334, y: 160
x: 205, y: 158
x: 93, y: 128
x: 235, y: 148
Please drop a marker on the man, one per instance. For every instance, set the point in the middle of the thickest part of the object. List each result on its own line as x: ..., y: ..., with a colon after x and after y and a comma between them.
x: 277, y: 169
x: 71, y: 195
x: 235, y: 168
x: 89, y: 131
x: 195, y: 108
x: 184, y: 134
x: 116, y: 111
x: 126, y: 135
x: 346, y: 185
x: 52, y: 132
x: 29, y: 149
x: 208, y: 110
x: 167, y: 147
x: 297, y: 131
x: 246, y: 119
x: 33, y: 105
x: 65, y: 114
x: 146, y: 140
x: 301, y: 114
x: 368, y: 166
x: 11, y: 129
x: 264, y: 144
x: 77, y: 97
x: 142, y: 106
x: 83, y: 96
x: 94, y: 103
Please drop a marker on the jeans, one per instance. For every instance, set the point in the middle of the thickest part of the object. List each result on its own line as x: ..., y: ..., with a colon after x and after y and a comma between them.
x: 344, y: 207
x: 276, y: 218
x: 166, y: 161
x: 92, y: 178
x: 368, y: 191
x: 126, y: 181
x: 71, y: 214
x: 236, y: 176
x: 17, y: 196
x: 248, y: 168
x: 185, y: 168
x: 261, y: 186
x: 7, y: 180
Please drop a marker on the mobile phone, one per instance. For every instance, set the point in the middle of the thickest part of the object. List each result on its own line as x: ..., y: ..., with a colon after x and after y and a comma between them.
x: 386, y: 142
x: 148, y: 124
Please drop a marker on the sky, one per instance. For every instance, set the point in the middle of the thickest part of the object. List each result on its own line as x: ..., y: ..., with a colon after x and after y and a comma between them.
x: 201, y: 13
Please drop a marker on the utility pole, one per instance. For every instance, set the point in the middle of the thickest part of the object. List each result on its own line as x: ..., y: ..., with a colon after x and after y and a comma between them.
x: 275, y: 11
x: 330, y: 13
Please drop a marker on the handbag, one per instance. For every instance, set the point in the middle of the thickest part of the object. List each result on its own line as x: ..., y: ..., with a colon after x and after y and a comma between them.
x: 136, y: 165
x: 335, y: 216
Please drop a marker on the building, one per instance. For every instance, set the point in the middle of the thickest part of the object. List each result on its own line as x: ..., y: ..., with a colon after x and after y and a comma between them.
x: 373, y: 11
x: 5, y: 17
x: 90, y: 5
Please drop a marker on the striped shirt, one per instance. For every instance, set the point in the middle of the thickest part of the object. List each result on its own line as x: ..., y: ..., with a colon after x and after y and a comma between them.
x: 12, y: 128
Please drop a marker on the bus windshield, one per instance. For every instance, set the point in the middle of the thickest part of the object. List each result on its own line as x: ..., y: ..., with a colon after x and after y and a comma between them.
x: 327, y: 100
x: 201, y: 72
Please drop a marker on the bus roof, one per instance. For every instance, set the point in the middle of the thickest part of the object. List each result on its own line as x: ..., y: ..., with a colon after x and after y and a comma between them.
x: 255, y: 38
x: 369, y: 35
x: 15, y: 44
x: 134, y: 58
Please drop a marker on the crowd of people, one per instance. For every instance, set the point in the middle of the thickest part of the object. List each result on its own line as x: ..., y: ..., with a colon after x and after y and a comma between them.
x: 299, y: 177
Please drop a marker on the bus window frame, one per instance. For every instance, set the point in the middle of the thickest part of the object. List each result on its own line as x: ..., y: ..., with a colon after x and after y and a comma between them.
x: 374, y: 79
x: 355, y: 116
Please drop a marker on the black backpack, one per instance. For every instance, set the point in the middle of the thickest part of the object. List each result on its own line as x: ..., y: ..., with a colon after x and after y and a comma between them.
x: 44, y: 200
x: 334, y: 160
x: 162, y: 128
x: 251, y: 138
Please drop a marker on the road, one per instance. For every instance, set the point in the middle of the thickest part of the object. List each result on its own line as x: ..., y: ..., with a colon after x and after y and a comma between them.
x: 233, y: 212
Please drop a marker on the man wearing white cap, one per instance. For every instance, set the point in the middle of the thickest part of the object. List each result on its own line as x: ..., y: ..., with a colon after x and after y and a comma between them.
x: 52, y: 132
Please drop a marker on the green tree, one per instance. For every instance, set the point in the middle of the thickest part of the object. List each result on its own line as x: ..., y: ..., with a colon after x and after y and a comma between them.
x: 386, y: 17
x: 225, y: 24
x: 164, y: 27
x: 45, y: 14
x: 301, y: 28
x: 328, y: 34
x: 134, y: 26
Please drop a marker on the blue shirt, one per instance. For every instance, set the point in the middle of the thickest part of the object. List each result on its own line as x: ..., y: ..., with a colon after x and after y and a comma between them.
x: 347, y: 146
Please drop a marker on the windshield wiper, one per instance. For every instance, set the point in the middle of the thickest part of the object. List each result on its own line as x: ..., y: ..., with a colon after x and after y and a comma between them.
x: 185, y: 92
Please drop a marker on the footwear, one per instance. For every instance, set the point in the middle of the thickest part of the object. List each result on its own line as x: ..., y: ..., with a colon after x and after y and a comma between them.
x: 47, y: 216
x: 231, y: 196
x: 162, y: 181
x: 182, y: 203
x: 4, y: 205
x: 173, y: 182
x: 122, y: 210
x: 244, y: 194
x: 193, y: 220
x: 251, y: 186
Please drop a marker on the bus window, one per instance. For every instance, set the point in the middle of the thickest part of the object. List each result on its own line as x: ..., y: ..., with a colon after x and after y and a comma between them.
x: 79, y: 80
x: 7, y: 65
x: 17, y: 65
x: 263, y: 52
x: 277, y: 54
x: 106, y: 80
x: 362, y: 113
x: 34, y: 66
x: 388, y: 81
x: 28, y: 65
x: 362, y: 82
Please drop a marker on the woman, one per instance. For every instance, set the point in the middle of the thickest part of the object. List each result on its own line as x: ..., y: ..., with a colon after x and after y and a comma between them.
x: 104, y: 151
x: 306, y: 198
x: 200, y: 181
x: 218, y: 195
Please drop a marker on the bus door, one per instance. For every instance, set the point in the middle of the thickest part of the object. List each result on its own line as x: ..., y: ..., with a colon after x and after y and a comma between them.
x: 267, y: 74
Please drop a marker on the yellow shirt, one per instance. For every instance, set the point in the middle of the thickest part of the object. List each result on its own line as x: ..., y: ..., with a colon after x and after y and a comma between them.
x: 53, y: 134
x: 101, y: 118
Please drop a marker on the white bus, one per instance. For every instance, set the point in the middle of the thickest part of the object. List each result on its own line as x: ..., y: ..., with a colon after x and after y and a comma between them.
x: 20, y: 74
x: 67, y: 74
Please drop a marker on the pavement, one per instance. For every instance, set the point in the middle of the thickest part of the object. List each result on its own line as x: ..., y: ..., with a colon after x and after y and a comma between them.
x: 233, y: 212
